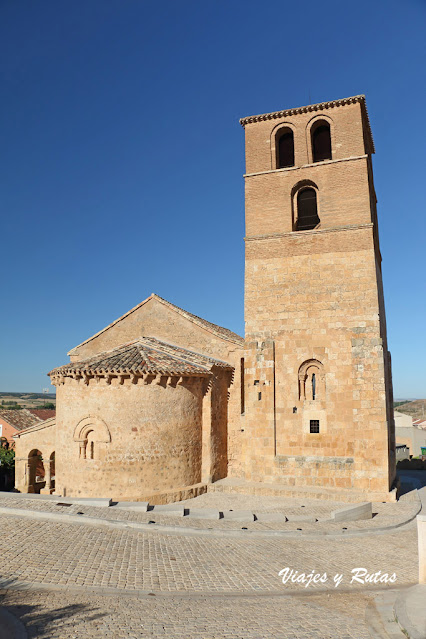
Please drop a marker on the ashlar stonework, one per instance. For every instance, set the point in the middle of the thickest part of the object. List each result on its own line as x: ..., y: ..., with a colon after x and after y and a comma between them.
x: 161, y: 403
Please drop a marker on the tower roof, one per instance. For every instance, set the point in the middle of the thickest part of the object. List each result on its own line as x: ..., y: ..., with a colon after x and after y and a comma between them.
x: 321, y: 106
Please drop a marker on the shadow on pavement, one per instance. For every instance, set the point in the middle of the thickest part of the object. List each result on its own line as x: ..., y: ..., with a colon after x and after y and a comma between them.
x: 41, y: 623
x: 411, y: 480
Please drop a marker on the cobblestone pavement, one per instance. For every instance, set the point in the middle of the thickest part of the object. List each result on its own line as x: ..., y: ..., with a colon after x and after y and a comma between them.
x: 386, y: 514
x: 78, y: 616
x: 92, y: 582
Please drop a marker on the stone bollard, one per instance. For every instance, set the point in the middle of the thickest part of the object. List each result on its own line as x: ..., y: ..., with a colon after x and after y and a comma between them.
x: 421, y: 530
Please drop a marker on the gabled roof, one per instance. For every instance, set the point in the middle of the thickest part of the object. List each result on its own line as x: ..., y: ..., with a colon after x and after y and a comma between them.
x: 19, y: 419
x: 224, y: 333
x: 320, y: 106
x: 146, y: 355
x: 39, y: 426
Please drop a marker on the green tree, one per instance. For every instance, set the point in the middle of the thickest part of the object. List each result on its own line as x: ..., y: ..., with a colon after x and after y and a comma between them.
x: 7, y: 458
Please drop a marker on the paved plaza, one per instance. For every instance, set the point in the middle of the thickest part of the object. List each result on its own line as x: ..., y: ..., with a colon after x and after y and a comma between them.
x: 64, y: 579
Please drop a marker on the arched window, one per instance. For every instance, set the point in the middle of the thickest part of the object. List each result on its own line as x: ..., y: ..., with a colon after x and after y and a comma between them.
x: 87, y: 448
x: 285, y: 149
x: 307, y: 211
x: 321, y: 142
x: 311, y: 381
x: 35, y: 471
x: 91, y: 433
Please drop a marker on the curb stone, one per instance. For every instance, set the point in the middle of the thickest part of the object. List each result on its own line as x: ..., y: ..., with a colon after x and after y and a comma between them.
x: 183, y: 531
x: 409, y: 601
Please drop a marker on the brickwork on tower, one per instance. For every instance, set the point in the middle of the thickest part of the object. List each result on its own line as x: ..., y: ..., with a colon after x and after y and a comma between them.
x: 318, y: 390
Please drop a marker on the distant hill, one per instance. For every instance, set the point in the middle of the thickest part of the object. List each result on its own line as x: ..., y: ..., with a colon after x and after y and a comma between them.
x: 26, y: 400
x: 416, y: 408
x: 27, y: 395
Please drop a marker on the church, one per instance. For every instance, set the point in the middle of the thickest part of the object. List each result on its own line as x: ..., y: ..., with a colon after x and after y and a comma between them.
x: 161, y: 404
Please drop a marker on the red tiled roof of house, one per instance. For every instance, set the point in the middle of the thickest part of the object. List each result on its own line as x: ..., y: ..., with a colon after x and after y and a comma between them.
x: 417, y: 422
x: 19, y: 419
x: 43, y: 413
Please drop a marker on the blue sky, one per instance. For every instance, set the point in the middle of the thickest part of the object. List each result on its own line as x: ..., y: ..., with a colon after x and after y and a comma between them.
x: 122, y: 157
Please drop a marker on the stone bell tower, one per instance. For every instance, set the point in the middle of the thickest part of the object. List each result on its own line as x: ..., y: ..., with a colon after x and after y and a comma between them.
x: 318, y: 389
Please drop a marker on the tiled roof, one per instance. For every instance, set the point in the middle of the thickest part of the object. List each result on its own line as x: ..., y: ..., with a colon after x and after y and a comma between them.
x: 418, y: 422
x: 43, y: 413
x: 143, y: 356
x: 19, y: 419
x: 320, y: 106
x: 224, y: 333
x: 47, y: 423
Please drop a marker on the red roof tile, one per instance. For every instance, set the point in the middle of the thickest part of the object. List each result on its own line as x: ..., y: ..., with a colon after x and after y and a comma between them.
x: 19, y: 419
x: 43, y: 413
x: 142, y: 356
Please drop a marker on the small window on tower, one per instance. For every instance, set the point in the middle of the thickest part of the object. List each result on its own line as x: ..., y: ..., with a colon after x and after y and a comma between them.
x: 321, y: 142
x: 307, y: 211
x: 285, y: 149
x: 314, y: 426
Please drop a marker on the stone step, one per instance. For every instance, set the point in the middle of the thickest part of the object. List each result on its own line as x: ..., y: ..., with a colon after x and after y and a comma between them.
x: 238, y: 515
x: 239, y: 486
x: 168, y: 509
x: 203, y: 513
x: 136, y: 506
x: 99, y: 502
x: 354, y: 513
x: 302, y: 518
x: 271, y: 517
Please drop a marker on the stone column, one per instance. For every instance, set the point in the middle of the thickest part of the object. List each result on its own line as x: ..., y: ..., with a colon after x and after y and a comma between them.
x: 29, y: 475
x: 47, y: 486
x: 206, y: 439
x: 22, y: 474
x: 421, y: 530
x: 302, y: 388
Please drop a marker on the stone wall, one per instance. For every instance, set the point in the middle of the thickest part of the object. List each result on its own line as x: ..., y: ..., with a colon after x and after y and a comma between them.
x: 156, y: 319
x: 146, y: 437
x: 314, y: 299
x: 40, y: 438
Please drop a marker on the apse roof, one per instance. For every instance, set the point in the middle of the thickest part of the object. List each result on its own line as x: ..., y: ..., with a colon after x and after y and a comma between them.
x: 143, y: 356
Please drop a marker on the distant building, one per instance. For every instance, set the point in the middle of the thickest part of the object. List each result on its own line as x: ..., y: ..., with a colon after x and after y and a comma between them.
x: 42, y: 413
x: 420, y: 423
x: 15, y: 421
x: 410, y: 434
x: 402, y: 420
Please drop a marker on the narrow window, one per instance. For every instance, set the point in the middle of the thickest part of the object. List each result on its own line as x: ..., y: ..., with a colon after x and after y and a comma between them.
x: 307, y: 213
x: 313, y: 385
x: 92, y: 450
x: 314, y: 426
x: 285, y: 150
x: 321, y: 143
x: 242, y: 386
